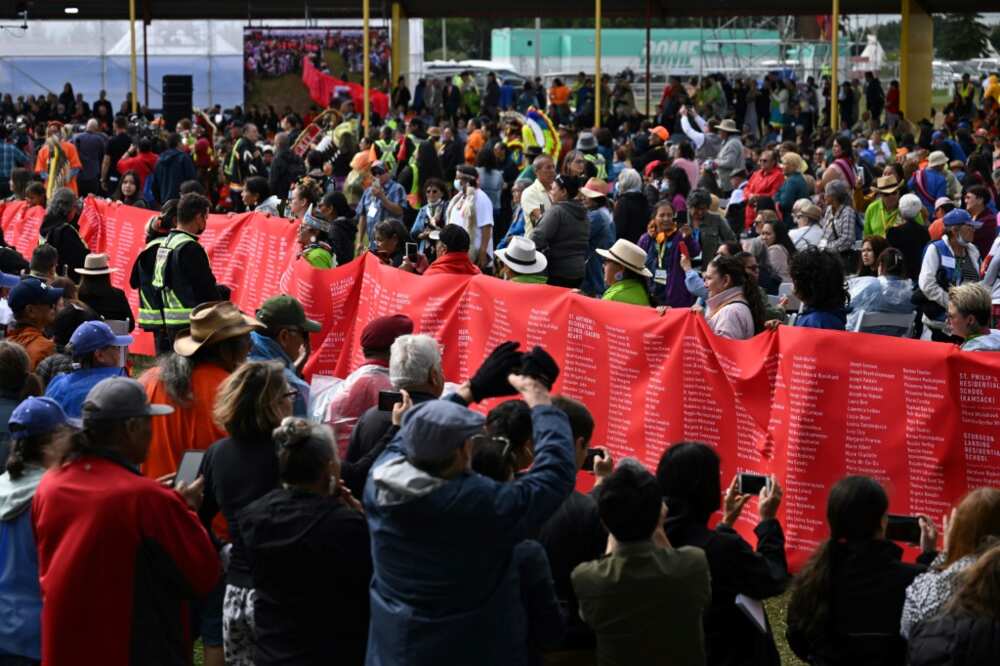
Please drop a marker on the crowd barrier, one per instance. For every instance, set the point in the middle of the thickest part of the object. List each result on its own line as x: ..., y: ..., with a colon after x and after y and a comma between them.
x: 805, y: 404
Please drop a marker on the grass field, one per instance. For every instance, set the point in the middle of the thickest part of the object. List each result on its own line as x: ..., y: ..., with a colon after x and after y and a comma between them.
x: 289, y: 89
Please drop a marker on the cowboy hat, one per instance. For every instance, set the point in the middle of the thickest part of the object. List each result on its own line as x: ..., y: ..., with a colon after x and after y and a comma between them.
x: 522, y: 257
x: 594, y: 188
x: 937, y: 159
x: 728, y: 125
x: 96, y: 264
x: 887, y: 185
x: 214, y: 322
x: 627, y: 254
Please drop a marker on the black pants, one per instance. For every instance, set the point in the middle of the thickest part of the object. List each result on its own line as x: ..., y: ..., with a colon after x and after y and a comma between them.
x: 569, y: 283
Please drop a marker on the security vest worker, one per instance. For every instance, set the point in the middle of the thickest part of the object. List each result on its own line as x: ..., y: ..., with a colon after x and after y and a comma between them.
x: 181, y: 273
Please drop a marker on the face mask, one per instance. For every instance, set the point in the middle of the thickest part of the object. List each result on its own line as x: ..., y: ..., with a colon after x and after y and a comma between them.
x: 962, y: 241
x: 458, y: 185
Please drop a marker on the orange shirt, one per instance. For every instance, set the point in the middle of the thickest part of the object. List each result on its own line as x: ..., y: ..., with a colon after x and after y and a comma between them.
x: 472, y: 147
x: 936, y: 230
x: 34, y: 342
x: 190, y: 427
x: 72, y: 158
x: 559, y: 95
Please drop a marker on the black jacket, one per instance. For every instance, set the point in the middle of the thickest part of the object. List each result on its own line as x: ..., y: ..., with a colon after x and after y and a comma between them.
x: 311, y: 562
x: 631, y: 216
x: 950, y: 640
x: 731, y: 638
x: 173, y: 168
x: 344, y: 231
x: 869, y: 587
x: 563, y: 236
x: 286, y: 168
x: 109, y: 302
x: 190, y: 275
x: 65, y: 238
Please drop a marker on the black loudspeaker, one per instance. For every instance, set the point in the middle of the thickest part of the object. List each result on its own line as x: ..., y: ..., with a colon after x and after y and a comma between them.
x: 177, y: 93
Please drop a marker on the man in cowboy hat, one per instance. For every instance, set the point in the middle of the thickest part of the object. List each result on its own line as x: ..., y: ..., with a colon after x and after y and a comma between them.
x: 217, y: 342
x: 883, y: 213
x: 97, y: 292
x: 930, y: 183
x: 97, y: 355
x: 521, y: 262
x: 586, y: 143
x: 730, y: 157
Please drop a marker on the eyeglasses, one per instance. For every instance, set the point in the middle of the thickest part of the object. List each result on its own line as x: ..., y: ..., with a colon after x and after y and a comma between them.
x: 432, y: 191
x: 290, y: 394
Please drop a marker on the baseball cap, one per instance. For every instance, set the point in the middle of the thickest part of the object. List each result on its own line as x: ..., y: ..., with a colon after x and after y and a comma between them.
x: 93, y: 335
x: 434, y: 429
x: 943, y: 201
x: 937, y: 136
x: 120, y: 398
x: 661, y: 132
x: 285, y: 310
x: 36, y: 416
x: 8, y: 281
x: 957, y: 217
x: 378, y: 168
x: 32, y: 291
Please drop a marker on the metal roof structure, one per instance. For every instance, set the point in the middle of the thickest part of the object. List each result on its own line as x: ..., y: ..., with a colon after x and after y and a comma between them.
x: 301, y: 9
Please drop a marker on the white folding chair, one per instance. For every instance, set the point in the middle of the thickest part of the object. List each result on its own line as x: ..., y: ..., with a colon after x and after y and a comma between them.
x: 895, y: 324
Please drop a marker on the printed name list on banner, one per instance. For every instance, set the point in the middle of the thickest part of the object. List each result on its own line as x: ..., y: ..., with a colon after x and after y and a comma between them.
x: 807, y: 405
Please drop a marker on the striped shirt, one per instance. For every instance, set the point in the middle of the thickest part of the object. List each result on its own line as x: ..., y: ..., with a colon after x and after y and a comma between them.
x: 10, y: 157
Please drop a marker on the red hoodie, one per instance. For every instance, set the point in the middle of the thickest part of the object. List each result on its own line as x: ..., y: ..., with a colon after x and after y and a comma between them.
x: 457, y: 263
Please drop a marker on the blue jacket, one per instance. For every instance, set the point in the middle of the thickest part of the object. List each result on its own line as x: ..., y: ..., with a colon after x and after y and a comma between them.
x: 21, y: 608
x: 172, y: 169
x: 832, y: 319
x: 446, y: 586
x: 602, y: 236
x: 935, y: 184
x: 266, y: 349
x: 516, y: 228
x: 70, y: 389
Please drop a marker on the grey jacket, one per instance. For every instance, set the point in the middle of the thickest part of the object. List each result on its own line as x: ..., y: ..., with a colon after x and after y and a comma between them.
x: 563, y: 236
x: 713, y: 232
x: 730, y: 158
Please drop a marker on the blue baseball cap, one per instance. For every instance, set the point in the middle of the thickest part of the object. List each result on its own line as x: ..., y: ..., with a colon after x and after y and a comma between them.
x: 93, y: 335
x: 433, y: 430
x: 8, y: 281
x: 957, y: 217
x: 32, y: 291
x: 937, y: 136
x: 36, y: 416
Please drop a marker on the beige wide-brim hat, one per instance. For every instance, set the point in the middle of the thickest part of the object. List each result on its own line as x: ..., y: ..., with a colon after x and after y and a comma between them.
x: 936, y: 159
x: 212, y: 323
x: 521, y: 256
x: 629, y: 255
x: 96, y: 264
x: 887, y: 185
x: 728, y: 125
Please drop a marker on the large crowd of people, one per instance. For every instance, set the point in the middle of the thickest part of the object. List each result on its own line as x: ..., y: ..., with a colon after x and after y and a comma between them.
x: 395, y: 525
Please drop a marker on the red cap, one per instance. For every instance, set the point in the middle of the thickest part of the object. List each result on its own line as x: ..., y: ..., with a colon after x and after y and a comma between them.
x: 380, y: 333
x: 652, y: 165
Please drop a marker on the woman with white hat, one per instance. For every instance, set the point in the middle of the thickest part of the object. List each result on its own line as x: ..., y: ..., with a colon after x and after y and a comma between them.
x: 625, y: 273
x: 521, y: 262
x: 97, y: 292
x: 808, y: 233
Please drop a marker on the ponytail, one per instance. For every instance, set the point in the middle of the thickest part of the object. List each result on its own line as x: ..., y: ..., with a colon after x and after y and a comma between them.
x: 735, y: 269
x: 809, y: 603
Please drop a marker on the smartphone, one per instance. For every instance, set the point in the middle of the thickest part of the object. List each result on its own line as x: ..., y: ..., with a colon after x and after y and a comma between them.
x: 751, y: 484
x: 903, y: 528
x: 386, y: 400
x: 187, y: 471
x: 592, y: 454
x: 411, y: 252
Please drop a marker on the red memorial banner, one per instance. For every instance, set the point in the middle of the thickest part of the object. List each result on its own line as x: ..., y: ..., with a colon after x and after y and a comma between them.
x: 805, y: 404
x: 322, y: 88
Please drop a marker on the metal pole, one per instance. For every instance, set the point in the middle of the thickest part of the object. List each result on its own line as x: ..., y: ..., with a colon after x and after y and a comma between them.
x: 597, y: 63
x: 145, y: 55
x: 134, y: 65
x: 444, y: 39
x: 649, y: 55
x: 904, y: 58
x: 538, y: 46
x: 365, y: 15
x: 834, y: 83
x: 701, y: 49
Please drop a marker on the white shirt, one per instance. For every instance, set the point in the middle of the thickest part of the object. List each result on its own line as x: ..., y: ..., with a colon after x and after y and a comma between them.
x: 484, y: 218
x: 806, y: 237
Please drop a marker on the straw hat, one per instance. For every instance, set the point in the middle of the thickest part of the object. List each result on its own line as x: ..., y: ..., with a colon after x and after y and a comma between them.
x: 810, y: 210
x: 522, y: 257
x: 728, y: 125
x: 887, y: 185
x: 594, y: 188
x: 629, y: 255
x: 96, y: 264
x: 212, y: 323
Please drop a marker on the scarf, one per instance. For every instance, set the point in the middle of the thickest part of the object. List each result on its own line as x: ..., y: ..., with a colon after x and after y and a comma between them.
x: 455, y: 263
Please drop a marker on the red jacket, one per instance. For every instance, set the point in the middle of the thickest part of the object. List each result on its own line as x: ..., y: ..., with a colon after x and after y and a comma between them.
x: 118, y: 555
x: 453, y: 262
x: 761, y: 185
x: 142, y: 163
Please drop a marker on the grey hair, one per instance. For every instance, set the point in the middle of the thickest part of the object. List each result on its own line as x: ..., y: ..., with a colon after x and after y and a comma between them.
x: 522, y: 183
x: 411, y: 359
x: 758, y: 248
x: 62, y: 202
x: 629, y: 180
x: 838, y: 190
x: 541, y: 159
